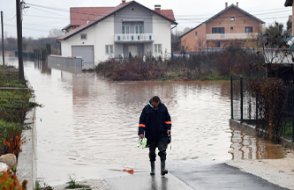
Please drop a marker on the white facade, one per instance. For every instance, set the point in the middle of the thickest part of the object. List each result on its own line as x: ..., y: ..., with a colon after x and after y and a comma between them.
x: 162, y: 36
x: 99, y: 35
x: 108, y: 40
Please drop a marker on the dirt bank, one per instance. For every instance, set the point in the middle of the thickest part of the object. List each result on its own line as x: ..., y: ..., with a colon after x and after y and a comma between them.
x: 277, y: 171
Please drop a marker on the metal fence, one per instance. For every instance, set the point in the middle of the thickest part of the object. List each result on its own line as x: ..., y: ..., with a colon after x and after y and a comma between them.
x: 246, y: 107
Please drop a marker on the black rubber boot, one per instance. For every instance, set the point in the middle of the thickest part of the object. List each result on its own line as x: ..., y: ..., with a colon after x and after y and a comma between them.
x: 152, y: 164
x: 163, y: 170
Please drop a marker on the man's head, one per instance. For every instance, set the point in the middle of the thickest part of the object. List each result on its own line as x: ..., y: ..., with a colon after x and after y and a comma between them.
x: 155, y: 101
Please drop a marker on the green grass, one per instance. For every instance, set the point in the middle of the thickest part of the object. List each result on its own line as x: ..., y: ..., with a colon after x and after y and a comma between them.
x: 72, y: 184
x: 14, y: 104
x: 39, y: 187
x: 9, y: 77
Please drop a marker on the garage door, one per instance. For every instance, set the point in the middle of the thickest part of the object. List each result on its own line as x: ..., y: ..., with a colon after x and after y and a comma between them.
x: 84, y: 52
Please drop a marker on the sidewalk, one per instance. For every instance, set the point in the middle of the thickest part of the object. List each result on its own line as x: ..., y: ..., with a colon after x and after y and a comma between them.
x: 187, y: 176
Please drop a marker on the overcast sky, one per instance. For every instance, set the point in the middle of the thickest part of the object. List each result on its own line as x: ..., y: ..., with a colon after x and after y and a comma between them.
x: 38, y: 21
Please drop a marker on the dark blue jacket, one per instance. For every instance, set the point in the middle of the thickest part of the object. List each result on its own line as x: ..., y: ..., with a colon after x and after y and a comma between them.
x: 154, y: 122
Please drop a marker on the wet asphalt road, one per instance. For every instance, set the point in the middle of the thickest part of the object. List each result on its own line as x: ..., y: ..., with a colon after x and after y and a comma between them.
x: 188, y: 176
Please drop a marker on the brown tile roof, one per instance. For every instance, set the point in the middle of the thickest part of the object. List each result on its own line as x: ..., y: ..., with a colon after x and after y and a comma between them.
x: 288, y: 3
x: 104, y: 12
x: 81, y: 15
x: 168, y: 13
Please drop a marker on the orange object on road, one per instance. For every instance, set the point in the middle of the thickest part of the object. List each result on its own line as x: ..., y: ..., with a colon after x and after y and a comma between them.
x: 129, y: 170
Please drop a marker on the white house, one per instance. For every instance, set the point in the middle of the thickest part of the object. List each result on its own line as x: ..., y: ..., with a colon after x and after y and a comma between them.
x: 97, y: 34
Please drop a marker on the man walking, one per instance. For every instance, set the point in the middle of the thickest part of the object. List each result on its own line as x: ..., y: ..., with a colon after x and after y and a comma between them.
x: 155, y: 125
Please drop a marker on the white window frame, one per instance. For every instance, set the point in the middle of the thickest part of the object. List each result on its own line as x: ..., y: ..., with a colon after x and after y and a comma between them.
x: 109, y: 49
x: 158, y: 48
x: 232, y: 19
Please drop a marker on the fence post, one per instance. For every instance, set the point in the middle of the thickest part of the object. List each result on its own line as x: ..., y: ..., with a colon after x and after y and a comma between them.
x: 256, y: 110
x: 232, y: 99
x: 292, y: 128
x: 241, y: 99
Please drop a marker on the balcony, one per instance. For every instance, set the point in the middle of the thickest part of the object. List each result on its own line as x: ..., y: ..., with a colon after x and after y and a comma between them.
x: 133, y: 38
x: 232, y: 36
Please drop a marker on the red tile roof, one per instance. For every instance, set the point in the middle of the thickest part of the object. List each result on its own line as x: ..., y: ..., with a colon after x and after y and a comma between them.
x: 168, y: 13
x: 81, y: 15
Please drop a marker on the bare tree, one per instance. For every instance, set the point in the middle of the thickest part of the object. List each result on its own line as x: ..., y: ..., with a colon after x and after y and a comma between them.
x: 55, y: 33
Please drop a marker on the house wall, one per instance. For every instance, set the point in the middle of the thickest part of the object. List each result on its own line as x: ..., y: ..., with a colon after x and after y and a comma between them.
x: 241, y: 21
x: 162, y: 35
x: 193, y: 42
x: 133, y: 13
x: 118, y: 50
x: 103, y: 32
x: 98, y: 36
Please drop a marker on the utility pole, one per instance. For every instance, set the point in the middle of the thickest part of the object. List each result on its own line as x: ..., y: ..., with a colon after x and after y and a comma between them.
x: 19, y: 39
x: 2, y: 29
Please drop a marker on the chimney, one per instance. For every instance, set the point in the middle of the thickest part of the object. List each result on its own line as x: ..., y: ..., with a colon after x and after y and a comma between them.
x: 157, y: 7
x: 123, y: 1
x: 237, y: 4
x: 226, y: 4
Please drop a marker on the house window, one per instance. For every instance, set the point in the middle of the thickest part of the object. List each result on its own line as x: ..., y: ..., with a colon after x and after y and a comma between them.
x: 83, y: 36
x: 218, y: 30
x: 217, y: 44
x: 196, y: 33
x: 125, y: 29
x: 248, y: 29
x: 232, y: 19
x: 157, y: 48
x: 109, y: 49
x: 139, y: 29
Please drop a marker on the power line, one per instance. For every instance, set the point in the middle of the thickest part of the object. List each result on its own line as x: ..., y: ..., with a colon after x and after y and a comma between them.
x: 27, y: 28
x: 191, y: 19
x: 178, y: 16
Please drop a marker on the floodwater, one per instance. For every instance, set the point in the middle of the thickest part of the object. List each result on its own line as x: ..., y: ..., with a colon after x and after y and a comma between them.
x: 87, y: 127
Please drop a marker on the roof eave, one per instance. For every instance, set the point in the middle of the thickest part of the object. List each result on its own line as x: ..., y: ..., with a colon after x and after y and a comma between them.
x: 191, y: 30
x: 288, y: 3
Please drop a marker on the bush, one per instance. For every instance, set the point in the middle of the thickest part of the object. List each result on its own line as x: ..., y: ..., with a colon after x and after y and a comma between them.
x: 271, y: 97
x: 9, y: 181
x: 205, y: 65
x: 10, y: 137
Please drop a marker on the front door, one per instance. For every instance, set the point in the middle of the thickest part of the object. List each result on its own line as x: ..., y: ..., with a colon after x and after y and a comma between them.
x: 133, y: 50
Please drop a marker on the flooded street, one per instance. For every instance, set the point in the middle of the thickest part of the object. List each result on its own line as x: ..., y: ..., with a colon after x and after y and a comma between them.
x: 87, y: 126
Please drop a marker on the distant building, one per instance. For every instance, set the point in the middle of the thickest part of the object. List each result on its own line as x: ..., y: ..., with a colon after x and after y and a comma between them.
x: 289, y: 3
x: 128, y: 30
x: 231, y: 25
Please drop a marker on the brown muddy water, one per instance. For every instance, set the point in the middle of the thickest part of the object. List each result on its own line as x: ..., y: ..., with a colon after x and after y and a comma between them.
x: 87, y: 127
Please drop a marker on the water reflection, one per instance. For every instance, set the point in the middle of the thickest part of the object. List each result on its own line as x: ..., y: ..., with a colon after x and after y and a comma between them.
x: 42, y: 66
x: 244, y: 146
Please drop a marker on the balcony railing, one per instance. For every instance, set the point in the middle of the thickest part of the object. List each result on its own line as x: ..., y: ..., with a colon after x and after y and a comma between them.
x: 145, y: 37
x: 231, y: 36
